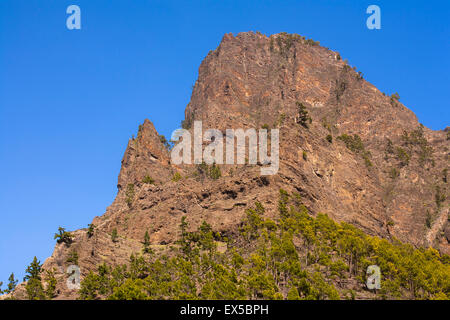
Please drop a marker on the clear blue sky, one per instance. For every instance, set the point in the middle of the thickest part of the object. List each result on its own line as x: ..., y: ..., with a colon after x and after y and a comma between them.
x: 70, y: 100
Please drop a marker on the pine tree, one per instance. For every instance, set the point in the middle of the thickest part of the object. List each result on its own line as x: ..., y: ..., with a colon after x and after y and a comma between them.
x: 114, y: 235
x: 130, y: 290
x: 12, y: 283
x: 184, y: 241
x: 51, y: 281
x: 147, y: 248
x: 303, y: 117
x: 72, y: 257
x: 89, y: 287
x: 63, y: 236
x: 90, y: 231
x: 33, y: 270
x: 34, y: 288
x: 293, y: 294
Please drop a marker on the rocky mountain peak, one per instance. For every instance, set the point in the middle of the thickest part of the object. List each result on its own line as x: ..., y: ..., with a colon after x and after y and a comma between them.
x: 145, y: 155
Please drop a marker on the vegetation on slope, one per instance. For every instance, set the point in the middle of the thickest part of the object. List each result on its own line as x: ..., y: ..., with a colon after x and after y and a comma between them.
x: 295, y: 257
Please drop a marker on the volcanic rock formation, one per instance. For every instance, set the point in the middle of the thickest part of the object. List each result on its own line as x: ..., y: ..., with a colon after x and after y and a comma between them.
x: 363, y: 159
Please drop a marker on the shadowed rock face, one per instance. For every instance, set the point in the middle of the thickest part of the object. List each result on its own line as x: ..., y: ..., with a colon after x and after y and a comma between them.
x: 388, y: 185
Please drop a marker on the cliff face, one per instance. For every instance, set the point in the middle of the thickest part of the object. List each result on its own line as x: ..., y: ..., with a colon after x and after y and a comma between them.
x: 389, y: 182
x: 251, y: 80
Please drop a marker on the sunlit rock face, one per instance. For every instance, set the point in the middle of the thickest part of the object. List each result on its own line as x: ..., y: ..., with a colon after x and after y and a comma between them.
x: 363, y: 158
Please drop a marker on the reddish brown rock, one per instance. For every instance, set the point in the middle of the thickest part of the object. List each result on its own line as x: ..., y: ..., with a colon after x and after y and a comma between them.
x: 252, y: 80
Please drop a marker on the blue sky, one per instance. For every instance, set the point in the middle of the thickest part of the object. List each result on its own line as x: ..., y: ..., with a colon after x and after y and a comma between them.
x: 70, y: 100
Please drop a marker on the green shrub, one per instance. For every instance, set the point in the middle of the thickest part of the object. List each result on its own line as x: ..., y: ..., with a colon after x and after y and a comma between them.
x: 416, y: 140
x: 186, y: 124
x: 395, y: 97
x: 360, y: 76
x: 366, y: 158
x: 214, y: 172
x: 329, y: 138
x: 72, y: 257
x: 51, y: 282
x: 280, y: 120
x: 304, y: 155
x: 346, y: 67
x: 402, y: 156
x: 389, y: 147
x: 303, y: 117
x: 90, y: 231
x: 12, y: 283
x: 164, y: 141
x: 176, y: 177
x: 341, y: 86
x: 63, y: 236
x: 326, y: 124
x: 394, y: 173
x: 114, y: 235
x: 129, y: 194
x: 311, y: 42
x: 90, y: 286
x: 35, y: 290
x: 148, y: 180
x: 284, y: 41
x: 428, y: 220
x: 146, y: 243
x: 439, y: 197
x: 355, y: 144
